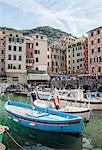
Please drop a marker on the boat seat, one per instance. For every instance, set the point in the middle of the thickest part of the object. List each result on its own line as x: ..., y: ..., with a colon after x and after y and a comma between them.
x: 37, y: 114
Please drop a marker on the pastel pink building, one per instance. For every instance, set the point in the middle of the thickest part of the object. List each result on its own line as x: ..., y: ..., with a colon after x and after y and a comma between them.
x: 95, y: 51
x: 2, y: 53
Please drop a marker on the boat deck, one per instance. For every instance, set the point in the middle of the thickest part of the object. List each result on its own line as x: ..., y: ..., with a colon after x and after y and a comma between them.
x: 63, y: 107
x: 35, y: 114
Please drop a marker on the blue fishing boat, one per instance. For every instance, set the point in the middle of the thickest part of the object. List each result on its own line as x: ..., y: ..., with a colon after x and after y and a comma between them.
x: 43, y: 118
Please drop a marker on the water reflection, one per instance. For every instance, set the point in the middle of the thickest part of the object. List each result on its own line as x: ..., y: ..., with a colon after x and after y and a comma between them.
x: 31, y: 138
x: 37, y: 140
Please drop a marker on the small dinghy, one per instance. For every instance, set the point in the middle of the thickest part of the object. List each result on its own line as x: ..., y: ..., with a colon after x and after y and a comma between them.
x: 44, y: 119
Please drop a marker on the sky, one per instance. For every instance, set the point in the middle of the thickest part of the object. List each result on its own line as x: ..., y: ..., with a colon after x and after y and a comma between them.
x: 72, y: 16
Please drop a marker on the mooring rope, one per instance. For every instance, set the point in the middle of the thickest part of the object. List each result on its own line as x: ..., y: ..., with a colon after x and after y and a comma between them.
x: 14, y: 140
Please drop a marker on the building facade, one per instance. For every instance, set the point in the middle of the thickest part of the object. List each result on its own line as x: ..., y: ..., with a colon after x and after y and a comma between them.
x: 77, y: 57
x: 95, y: 51
x: 55, y: 58
x: 15, y: 56
x: 29, y: 53
x: 2, y: 53
x: 40, y: 52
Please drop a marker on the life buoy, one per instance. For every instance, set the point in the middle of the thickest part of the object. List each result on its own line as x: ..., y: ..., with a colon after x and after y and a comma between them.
x: 57, y: 102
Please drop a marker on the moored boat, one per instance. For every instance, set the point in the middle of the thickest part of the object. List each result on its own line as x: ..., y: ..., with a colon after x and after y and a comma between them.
x: 44, y: 119
x: 80, y: 111
x: 75, y: 97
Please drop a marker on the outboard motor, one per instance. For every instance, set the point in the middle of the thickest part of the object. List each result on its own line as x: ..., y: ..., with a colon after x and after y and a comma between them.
x: 34, y: 97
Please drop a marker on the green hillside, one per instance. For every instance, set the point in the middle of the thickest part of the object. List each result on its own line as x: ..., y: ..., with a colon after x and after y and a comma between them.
x: 46, y: 30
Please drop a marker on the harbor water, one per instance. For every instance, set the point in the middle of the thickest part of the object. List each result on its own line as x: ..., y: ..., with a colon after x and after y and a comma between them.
x: 37, y: 140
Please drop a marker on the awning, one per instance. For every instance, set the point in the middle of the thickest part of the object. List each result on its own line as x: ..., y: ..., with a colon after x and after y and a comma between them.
x: 38, y: 77
x: 64, y: 77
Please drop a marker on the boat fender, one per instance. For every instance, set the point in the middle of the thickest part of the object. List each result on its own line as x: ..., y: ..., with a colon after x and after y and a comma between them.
x: 57, y: 102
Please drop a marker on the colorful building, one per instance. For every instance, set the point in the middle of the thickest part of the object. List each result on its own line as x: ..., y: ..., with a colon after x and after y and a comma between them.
x: 2, y: 53
x: 77, y: 57
x: 95, y: 51
x: 29, y: 53
x: 15, y: 56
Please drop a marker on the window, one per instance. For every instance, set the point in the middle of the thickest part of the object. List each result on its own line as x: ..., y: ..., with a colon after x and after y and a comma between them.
x: 48, y: 56
x: 20, y: 48
x: 2, y: 69
x: 8, y: 66
x: 52, y: 63
x: 20, y: 58
x: 31, y: 54
x: 48, y: 64
x: 73, y: 61
x: 14, y: 48
x: 98, y: 31
x: 37, y: 60
x: 91, y: 42
x: 9, y: 47
x: 18, y: 39
x: 10, y: 34
x: 30, y: 45
x: 77, y: 67
x: 36, y: 43
x: 19, y: 66
x: 98, y: 40
x: 91, y: 33
x: 9, y: 39
x: 48, y: 49
x: 41, y: 37
x: 14, y: 57
x: 2, y: 52
x: 2, y: 60
x: 22, y: 40
x: 30, y: 61
x: 92, y: 51
x: 99, y: 49
x: 9, y: 57
x: 100, y: 59
x: 99, y: 69
x: 78, y: 54
x: 17, y: 35
x: 37, y: 36
x: 92, y: 69
x: 80, y: 65
x: 38, y: 51
x: 36, y: 68
x: 55, y: 56
x: 14, y: 67
x: 56, y: 63
x: 35, y: 51
x: 69, y: 62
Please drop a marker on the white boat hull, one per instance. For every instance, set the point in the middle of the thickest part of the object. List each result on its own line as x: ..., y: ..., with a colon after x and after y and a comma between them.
x: 82, y: 112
